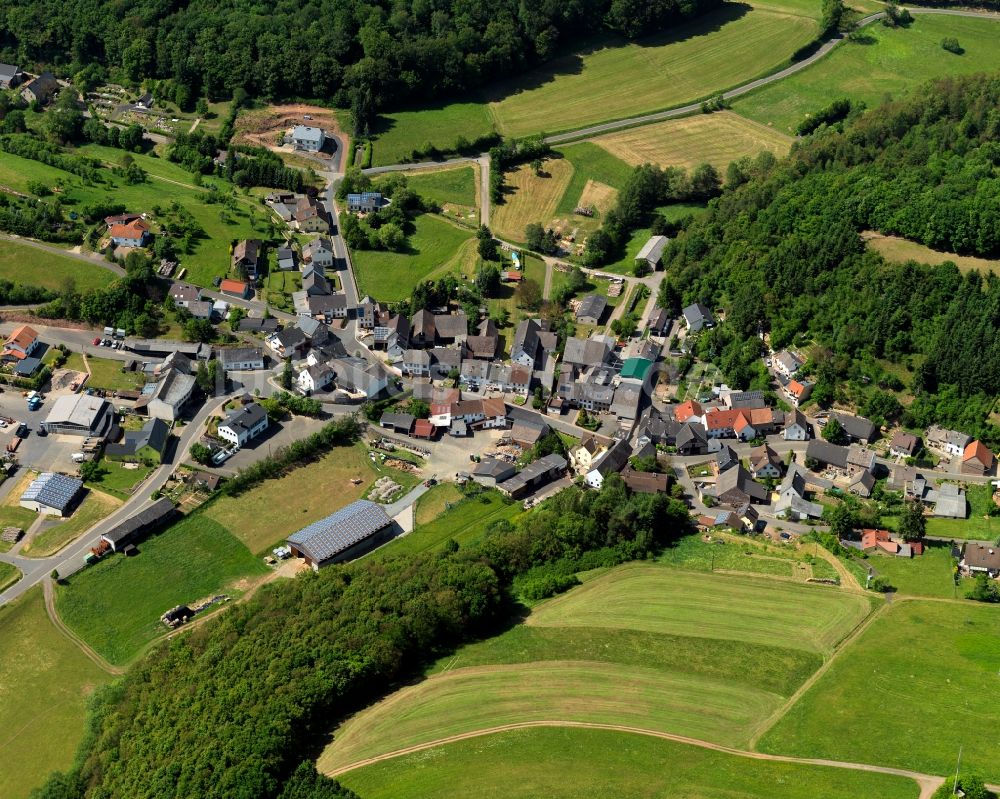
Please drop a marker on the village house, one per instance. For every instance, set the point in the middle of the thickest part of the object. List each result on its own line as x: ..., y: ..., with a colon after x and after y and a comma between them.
x: 792, y: 503
x: 697, y: 317
x: 146, y: 445
x: 786, y: 364
x: 416, y: 363
x: 318, y: 252
x: 40, y: 90
x: 314, y: 378
x: 797, y: 392
x: 451, y: 328
x: 980, y: 558
x: 240, y: 359
x: 856, y: 428
x: 236, y: 288
x: 364, y: 202
x: 656, y: 427
x: 358, y: 376
x: 645, y: 482
x: 735, y: 488
x: 307, y: 138
x: 10, y: 76
x: 310, y: 216
x: 950, y: 442
x: 22, y: 343
x: 286, y: 259
x: 796, y: 426
x: 765, y: 463
x: 170, y: 393
x: 249, y: 324
x: 243, y: 424
x: 660, y: 322
x: 977, y: 460
x: 725, y: 459
x: 526, y: 432
x: 247, y: 258
x: 690, y: 411
x: 485, y: 344
x: 288, y: 343
x: 691, y: 439
x: 903, y: 444
x: 651, y: 254
x: 392, y: 333
x: 583, y: 456
x: 183, y: 294
x: 946, y: 500
x: 131, y: 234
x: 591, y: 309
x: 613, y: 460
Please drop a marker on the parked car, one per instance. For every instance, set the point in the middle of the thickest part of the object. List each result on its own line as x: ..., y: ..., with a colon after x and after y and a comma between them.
x: 97, y: 341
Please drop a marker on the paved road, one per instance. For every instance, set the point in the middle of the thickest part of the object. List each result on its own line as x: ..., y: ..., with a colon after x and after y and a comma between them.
x: 70, y: 559
x: 928, y: 782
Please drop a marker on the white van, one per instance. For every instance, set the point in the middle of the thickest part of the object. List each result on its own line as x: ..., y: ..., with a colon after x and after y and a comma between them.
x: 78, y: 457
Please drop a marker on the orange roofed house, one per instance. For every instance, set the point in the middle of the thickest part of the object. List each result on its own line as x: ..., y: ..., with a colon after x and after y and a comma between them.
x: 130, y: 234
x: 235, y: 288
x: 977, y: 459
x: 20, y: 344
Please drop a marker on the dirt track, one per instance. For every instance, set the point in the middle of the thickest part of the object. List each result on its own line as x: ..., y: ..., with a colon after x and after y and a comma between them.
x: 928, y: 783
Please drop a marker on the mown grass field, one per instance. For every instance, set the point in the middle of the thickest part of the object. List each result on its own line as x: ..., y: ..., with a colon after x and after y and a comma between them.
x: 709, y: 656
x: 399, y: 133
x: 616, y: 79
x: 895, y: 59
x: 898, y: 250
x: 44, y: 684
x: 530, y: 198
x: 571, y: 763
x: 435, y: 247
x: 95, y: 506
x: 107, y: 374
x: 921, y: 673
x: 753, y: 610
x: 931, y: 574
x: 737, y: 554
x: 119, y: 481
x: 22, y: 263
x: 455, y: 186
x: 465, y: 521
x: 167, y: 183
x: 481, y: 697
x: 265, y: 515
x: 116, y: 604
x: 716, y: 139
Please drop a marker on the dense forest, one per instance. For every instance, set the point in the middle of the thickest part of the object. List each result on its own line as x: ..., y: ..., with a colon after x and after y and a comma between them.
x: 362, y: 54
x: 235, y: 708
x: 781, y: 251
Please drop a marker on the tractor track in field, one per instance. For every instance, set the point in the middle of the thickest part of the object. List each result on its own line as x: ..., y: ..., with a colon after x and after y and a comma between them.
x: 83, y: 646
x: 928, y: 782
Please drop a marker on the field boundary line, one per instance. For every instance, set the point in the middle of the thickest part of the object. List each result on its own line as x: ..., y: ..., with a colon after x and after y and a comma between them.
x: 927, y: 782
x: 765, y: 726
x: 53, y: 614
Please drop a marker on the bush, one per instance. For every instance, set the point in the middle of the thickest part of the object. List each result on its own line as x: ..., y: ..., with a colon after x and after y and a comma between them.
x: 950, y: 43
x: 881, y: 585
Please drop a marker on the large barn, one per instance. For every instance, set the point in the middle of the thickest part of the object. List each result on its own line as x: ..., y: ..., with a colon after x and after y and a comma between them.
x: 343, y: 535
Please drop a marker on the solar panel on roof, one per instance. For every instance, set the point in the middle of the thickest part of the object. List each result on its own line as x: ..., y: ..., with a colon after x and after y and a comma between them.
x: 341, y: 530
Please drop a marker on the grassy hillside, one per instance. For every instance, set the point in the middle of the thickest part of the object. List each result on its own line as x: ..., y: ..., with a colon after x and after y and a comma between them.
x: 648, y: 646
x: 49, y: 270
x: 115, y: 605
x: 919, y: 675
x: 888, y: 61
x: 620, y: 79
x: 44, y: 684
x: 571, y: 763
x: 716, y: 139
x: 435, y: 247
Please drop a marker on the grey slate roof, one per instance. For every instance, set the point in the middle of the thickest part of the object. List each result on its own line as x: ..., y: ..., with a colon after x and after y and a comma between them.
x: 53, y: 490
x: 162, y: 509
x: 246, y: 417
x: 698, y: 316
x: 329, y: 537
x: 857, y: 427
x: 153, y: 434
x: 592, y: 306
x: 231, y: 355
x: 451, y: 325
x: 653, y: 249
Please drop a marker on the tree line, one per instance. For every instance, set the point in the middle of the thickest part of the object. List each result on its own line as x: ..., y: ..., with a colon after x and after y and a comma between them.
x: 236, y: 707
x: 781, y: 252
x: 359, y: 54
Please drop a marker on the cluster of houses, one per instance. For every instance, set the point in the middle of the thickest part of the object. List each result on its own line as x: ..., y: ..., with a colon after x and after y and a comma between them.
x: 302, y: 213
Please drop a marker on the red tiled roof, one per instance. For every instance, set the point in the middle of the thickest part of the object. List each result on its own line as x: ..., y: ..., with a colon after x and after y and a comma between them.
x: 871, y: 538
x: 686, y: 410
x: 979, y: 451
x: 233, y: 287
x: 796, y: 388
x: 494, y: 406
x: 132, y: 230
x: 423, y: 428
